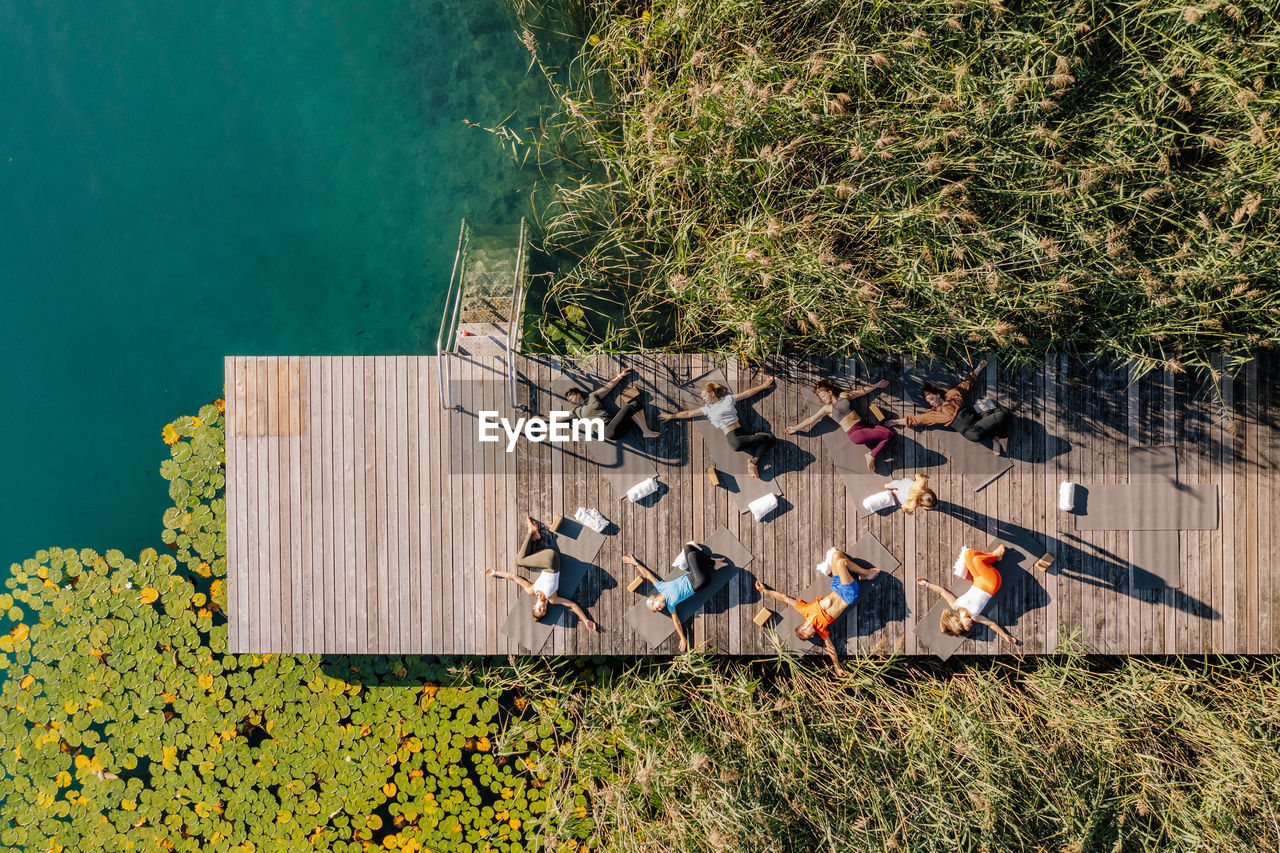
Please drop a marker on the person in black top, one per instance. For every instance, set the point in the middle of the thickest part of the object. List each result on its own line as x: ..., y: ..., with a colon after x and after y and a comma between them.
x: 592, y: 405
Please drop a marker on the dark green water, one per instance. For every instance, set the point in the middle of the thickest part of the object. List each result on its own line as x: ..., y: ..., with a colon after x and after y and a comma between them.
x: 183, y: 181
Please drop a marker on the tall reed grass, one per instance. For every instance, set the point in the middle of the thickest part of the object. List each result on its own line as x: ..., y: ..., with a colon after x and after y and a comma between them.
x: 928, y: 177
x: 1064, y: 754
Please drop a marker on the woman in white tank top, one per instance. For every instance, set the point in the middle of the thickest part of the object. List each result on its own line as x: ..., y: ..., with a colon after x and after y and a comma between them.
x: 545, y: 588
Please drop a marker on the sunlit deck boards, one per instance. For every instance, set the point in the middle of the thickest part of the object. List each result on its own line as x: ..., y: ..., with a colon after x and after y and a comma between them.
x: 361, y: 513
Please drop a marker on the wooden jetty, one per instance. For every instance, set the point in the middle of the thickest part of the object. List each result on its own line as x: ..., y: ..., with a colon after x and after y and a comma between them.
x: 361, y: 512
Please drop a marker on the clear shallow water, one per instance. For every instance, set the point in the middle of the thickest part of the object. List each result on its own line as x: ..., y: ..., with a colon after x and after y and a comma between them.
x: 179, y: 182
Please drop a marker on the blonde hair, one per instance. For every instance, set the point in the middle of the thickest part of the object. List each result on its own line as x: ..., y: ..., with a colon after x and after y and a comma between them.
x: 950, y: 623
x: 716, y: 388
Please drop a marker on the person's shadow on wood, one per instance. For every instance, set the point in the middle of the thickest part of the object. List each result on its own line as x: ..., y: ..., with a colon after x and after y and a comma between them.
x: 1076, y: 559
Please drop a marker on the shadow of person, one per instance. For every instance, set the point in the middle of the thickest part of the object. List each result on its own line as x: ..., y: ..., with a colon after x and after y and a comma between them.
x: 1076, y: 559
x: 1030, y: 442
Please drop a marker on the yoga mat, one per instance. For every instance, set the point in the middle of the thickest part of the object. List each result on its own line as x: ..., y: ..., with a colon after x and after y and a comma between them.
x: 731, y: 465
x: 622, y: 463
x: 976, y: 462
x: 1153, y: 464
x: 1020, y: 553
x: 655, y: 628
x: 1154, y: 559
x: 1149, y: 506
x: 578, y: 547
x: 867, y: 553
x: 850, y: 461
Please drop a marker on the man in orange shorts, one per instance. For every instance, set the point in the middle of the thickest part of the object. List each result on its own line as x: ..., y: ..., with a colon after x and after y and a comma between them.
x: 821, y: 612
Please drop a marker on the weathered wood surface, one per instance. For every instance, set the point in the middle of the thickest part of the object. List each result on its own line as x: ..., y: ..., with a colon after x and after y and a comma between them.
x: 361, y: 514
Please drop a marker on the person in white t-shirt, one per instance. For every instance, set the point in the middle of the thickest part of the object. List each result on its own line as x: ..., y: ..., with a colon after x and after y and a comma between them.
x: 912, y: 493
x: 721, y: 409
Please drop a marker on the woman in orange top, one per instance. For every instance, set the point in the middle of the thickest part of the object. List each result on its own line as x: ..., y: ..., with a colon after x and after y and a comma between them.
x: 820, y: 613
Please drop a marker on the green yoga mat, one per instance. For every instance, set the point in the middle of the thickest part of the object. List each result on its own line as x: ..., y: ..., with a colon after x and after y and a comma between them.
x: 867, y: 553
x: 731, y: 465
x: 655, y: 628
x: 578, y: 547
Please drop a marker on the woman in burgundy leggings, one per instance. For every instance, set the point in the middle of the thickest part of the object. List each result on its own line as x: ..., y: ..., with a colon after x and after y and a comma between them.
x: 838, y: 406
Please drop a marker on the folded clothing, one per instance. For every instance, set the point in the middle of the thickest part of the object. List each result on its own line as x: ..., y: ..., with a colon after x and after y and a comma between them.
x: 591, y: 518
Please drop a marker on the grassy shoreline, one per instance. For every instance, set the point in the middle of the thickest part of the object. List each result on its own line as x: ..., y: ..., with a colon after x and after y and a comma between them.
x: 933, y: 178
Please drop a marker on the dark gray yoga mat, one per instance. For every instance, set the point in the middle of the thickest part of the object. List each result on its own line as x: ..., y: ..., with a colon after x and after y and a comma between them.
x: 655, y: 628
x: 1154, y: 559
x: 1148, y: 506
x: 730, y: 464
x: 867, y: 553
x: 622, y: 463
x: 1020, y: 553
x: 976, y: 462
x: 850, y: 462
x: 578, y: 547
x: 1153, y: 464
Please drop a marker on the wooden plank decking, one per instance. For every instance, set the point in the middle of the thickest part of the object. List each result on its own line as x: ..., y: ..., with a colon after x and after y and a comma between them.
x: 361, y: 514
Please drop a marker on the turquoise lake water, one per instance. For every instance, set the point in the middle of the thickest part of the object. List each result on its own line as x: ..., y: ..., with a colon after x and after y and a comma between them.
x: 184, y: 181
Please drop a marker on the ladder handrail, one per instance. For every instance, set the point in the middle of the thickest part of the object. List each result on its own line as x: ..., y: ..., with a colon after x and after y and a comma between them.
x: 513, y: 321
x: 454, y: 296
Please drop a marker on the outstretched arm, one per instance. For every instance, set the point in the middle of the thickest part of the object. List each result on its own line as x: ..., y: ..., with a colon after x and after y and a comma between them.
x: 775, y: 595
x: 631, y: 560
x: 809, y: 421
x: 853, y: 395
x: 835, y: 658
x: 946, y: 594
x: 577, y: 611
x: 763, y: 386
x: 684, y: 414
x: 982, y: 620
x: 684, y: 641
x: 613, y: 383
x: 507, y: 576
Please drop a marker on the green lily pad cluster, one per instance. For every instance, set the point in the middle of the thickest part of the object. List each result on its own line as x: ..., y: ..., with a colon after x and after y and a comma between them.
x: 125, y: 725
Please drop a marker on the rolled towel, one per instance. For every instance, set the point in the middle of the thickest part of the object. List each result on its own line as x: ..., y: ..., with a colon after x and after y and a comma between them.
x: 879, y: 501
x: 763, y: 506
x: 680, y: 562
x: 642, y: 490
x: 825, y: 566
x: 1067, y: 493
x: 591, y: 518
x: 960, y: 569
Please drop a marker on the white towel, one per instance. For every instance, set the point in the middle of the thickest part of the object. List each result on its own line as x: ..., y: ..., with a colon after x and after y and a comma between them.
x: 961, y: 570
x: 642, y: 490
x: 879, y: 501
x: 591, y: 518
x: 1067, y: 493
x: 762, y: 506
x: 680, y: 562
x: 825, y: 566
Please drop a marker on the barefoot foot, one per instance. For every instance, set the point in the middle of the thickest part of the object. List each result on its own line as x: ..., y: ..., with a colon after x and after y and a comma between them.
x: 871, y: 462
x: 752, y: 470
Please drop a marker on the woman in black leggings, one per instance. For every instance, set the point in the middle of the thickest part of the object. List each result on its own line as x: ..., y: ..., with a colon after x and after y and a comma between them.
x: 721, y: 410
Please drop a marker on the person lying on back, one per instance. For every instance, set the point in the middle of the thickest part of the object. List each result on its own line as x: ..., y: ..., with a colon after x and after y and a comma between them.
x: 943, y: 405
x: 589, y: 406
x: 671, y: 593
x: 534, y: 553
x: 820, y: 613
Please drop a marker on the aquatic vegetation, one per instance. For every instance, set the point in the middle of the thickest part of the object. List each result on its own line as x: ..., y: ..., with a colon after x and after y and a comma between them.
x: 936, y: 177
x: 125, y: 725
x: 1064, y: 753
